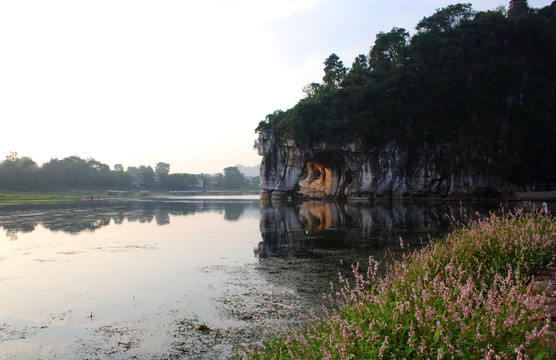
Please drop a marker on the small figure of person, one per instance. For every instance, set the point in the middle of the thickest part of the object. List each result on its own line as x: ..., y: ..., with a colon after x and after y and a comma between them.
x: 544, y: 209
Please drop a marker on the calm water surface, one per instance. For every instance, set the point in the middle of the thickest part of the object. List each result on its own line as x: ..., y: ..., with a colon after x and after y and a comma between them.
x: 183, y: 277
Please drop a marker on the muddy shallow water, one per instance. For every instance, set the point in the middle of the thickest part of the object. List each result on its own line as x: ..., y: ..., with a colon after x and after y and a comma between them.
x: 187, y: 278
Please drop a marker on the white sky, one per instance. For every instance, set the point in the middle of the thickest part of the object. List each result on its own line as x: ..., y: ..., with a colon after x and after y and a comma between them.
x: 184, y: 82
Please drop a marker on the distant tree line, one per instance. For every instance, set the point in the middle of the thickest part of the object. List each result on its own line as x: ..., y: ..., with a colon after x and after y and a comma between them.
x: 23, y: 174
x: 480, y: 84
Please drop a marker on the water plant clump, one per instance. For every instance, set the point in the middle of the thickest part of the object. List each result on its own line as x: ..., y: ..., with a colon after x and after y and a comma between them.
x: 468, y: 296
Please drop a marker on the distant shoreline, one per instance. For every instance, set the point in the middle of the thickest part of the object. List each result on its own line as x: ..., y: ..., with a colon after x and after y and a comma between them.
x: 69, y: 196
x: 18, y: 198
x: 29, y: 197
x: 536, y: 195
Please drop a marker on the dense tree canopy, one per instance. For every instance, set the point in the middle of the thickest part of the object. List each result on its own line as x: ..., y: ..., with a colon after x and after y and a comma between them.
x: 19, y: 173
x: 233, y: 178
x: 23, y: 174
x: 481, y: 84
x: 162, y: 169
x: 334, y: 72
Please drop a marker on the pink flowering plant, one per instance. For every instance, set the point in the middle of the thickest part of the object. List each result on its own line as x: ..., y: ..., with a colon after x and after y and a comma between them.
x: 468, y: 296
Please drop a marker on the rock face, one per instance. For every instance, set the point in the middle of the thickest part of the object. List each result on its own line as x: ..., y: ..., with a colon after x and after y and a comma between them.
x: 353, y: 170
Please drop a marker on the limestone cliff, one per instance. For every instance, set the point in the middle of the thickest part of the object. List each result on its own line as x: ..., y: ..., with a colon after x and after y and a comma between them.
x: 353, y: 170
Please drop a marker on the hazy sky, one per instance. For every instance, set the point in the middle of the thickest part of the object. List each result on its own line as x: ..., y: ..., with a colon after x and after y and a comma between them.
x: 184, y: 82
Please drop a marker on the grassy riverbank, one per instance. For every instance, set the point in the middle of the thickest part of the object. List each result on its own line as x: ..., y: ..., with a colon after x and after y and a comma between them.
x: 464, y: 297
x: 31, y: 197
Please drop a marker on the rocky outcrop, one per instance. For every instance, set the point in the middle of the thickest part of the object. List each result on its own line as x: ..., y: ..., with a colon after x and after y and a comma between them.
x: 354, y: 170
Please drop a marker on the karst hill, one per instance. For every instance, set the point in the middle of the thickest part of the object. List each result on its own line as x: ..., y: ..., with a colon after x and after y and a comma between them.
x: 463, y: 108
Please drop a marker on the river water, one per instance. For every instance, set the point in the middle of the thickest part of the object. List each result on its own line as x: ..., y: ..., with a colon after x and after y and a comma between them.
x: 184, y: 278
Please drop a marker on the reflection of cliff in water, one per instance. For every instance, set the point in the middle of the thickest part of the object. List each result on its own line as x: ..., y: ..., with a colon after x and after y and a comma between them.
x: 314, y: 226
x: 89, y: 216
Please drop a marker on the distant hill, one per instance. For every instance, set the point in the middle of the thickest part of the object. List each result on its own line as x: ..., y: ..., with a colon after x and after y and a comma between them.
x: 249, y: 171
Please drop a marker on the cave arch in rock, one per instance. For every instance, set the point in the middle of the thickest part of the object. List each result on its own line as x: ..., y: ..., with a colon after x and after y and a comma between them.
x: 324, y: 170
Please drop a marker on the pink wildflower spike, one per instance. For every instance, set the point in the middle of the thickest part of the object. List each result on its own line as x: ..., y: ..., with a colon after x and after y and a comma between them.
x: 478, y: 335
x: 490, y: 353
x: 423, y: 346
x: 519, y: 353
x: 411, y: 335
x: 429, y: 313
x: 418, y: 316
x: 383, y: 347
x: 341, y: 351
x: 358, y: 333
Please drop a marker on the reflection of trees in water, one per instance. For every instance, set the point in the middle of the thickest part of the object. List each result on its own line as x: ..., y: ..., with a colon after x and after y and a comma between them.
x: 76, y: 217
x: 312, y: 226
x: 233, y: 211
x: 162, y: 218
x: 11, y: 233
x: 81, y: 223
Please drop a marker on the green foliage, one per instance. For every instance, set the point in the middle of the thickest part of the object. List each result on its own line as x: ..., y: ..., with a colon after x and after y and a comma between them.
x: 147, y: 178
x: 162, y: 170
x: 390, y: 51
x: 233, y: 179
x: 23, y: 174
x: 312, y: 89
x: 447, y: 19
x: 76, y: 172
x: 179, y: 182
x: 477, y: 83
x: 334, y: 72
x: 19, y: 173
